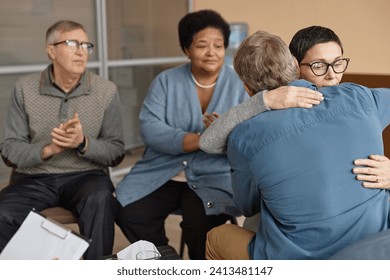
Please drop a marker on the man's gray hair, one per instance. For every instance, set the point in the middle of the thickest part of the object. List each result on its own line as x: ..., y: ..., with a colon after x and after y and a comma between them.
x: 263, y: 61
x: 60, y: 27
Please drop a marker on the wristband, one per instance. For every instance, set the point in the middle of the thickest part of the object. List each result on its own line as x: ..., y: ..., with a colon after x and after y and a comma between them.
x: 80, y: 148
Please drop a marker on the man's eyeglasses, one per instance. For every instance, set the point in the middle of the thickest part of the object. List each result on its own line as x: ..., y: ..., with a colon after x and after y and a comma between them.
x: 74, y: 45
x: 320, y: 68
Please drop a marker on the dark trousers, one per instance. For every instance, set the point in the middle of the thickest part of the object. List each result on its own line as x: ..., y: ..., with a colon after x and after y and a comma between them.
x: 87, y: 194
x: 145, y: 218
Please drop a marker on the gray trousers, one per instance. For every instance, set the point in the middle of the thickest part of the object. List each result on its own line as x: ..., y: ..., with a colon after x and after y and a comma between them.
x: 374, y: 247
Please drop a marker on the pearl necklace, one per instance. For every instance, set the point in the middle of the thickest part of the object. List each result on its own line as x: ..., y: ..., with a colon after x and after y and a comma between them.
x: 200, y: 85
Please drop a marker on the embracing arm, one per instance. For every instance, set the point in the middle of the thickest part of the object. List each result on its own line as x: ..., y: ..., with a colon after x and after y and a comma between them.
x: 374, y: 171
x: 214, y: 139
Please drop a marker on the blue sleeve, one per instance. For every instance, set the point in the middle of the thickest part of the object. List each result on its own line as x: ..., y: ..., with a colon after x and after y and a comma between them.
x: 155, y: 131
x: 245, y: 193
x: 382, y: 100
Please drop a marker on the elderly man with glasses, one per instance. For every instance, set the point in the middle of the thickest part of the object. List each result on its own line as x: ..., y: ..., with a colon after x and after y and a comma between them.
x: 63, y: 131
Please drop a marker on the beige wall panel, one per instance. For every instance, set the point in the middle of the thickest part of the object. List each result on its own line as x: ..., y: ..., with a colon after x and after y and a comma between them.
x: 362, y: 25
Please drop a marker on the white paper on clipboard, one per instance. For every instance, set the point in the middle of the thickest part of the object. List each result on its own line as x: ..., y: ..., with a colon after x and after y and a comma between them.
x: 39, y: 238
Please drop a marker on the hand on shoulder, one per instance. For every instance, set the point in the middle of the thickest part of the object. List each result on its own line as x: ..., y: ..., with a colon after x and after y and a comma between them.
x: 291, y: 96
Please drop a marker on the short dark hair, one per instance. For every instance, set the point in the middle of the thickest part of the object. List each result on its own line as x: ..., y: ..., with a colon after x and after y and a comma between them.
x: 195, y: 22
x: 307, y: 37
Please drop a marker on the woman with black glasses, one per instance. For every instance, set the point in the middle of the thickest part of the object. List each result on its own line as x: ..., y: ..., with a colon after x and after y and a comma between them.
x: 319, y: 53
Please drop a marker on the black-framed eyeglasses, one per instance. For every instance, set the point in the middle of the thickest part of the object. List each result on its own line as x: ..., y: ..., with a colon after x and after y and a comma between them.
x: 319, y: 68
x: 74, y: 45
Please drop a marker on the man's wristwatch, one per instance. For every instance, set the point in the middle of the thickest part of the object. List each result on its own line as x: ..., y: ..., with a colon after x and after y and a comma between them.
x: 80, y: 148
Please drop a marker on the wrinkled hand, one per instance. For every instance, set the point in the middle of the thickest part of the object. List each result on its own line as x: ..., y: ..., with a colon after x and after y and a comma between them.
x: 209, y: 118
x: 54, y: 149
x: 51, y: 149
x: 70, y: 134
x: 374, y: 171
x: 290, y: 96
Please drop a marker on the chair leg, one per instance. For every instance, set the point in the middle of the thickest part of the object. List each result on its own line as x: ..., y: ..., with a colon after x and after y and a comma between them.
x: 182, y: 244
x: 233, y: 220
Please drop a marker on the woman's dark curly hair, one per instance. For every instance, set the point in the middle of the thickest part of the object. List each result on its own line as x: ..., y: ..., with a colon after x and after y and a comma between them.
x: 194, y: 22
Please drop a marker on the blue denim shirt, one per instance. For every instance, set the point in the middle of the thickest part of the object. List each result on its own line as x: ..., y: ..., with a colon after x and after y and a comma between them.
x: 171, y: 110
x: 294, y: 166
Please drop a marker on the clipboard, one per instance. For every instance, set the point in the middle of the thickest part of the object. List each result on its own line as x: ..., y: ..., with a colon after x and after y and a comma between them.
x: 40, y: 238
